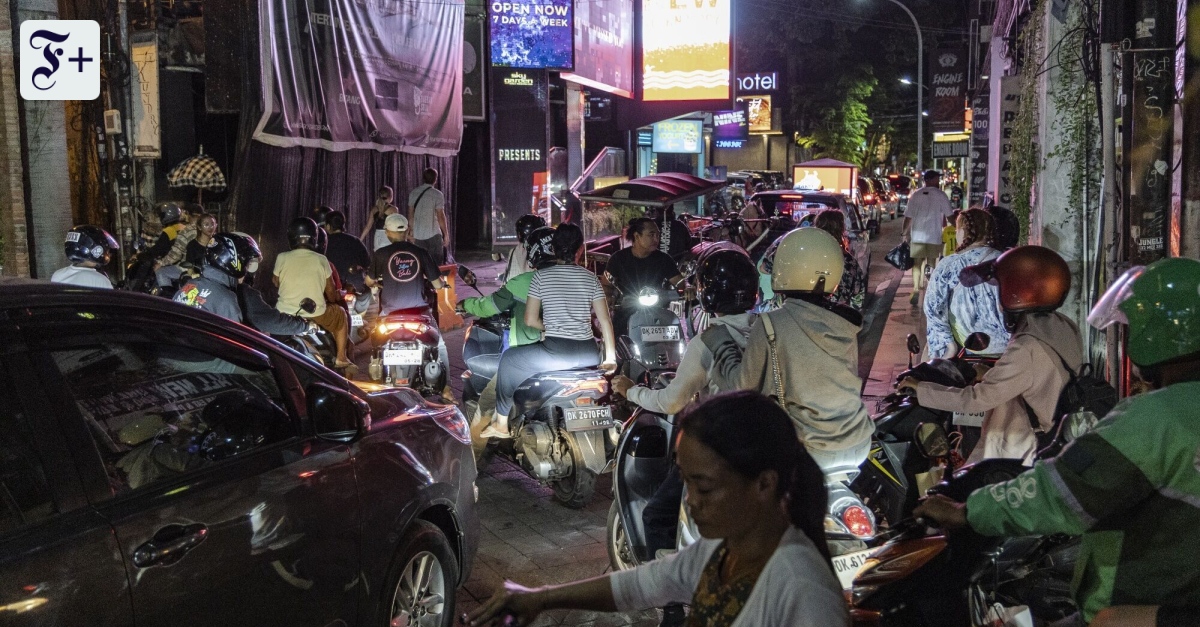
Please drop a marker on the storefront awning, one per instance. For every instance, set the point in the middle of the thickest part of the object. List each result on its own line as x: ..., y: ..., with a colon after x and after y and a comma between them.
x: 657, y: 190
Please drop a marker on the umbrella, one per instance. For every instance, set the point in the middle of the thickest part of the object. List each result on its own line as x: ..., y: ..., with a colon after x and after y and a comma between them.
x: 200, y: 171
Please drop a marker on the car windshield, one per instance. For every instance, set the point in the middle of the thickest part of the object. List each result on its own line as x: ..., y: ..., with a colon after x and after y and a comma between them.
x: 797, y: 208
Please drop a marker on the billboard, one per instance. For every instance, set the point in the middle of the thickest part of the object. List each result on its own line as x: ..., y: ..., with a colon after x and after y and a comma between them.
x: 531, y: 34
x: 604, y: 46
x: 519, y: 151
x: 730, y: 126
x: 758, y: 112
x: 679, y: 136
x: 948, y: 91
x: 685, y: 49
x: 473, y: 96
x: 831, y: 179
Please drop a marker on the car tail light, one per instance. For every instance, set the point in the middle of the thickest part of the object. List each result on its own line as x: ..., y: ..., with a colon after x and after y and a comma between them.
x: 389, y: 326
x: 455, y: 424
x: 869, y: 197
x: 858, y: 521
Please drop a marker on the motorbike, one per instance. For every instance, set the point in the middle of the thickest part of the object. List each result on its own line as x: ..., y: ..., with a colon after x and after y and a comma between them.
x: 406, y: 351
x: 652, y: 340
x: 895, y: 473
x: 357, y: 305
x: 561, y: 422
x: 963, y: 578
x: 316, y: 344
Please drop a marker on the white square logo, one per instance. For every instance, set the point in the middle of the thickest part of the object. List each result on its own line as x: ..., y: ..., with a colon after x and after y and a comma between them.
x: 60, y: 60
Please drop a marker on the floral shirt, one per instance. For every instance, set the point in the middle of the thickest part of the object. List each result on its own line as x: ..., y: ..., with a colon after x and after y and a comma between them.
x: 853, y: 287
x: 716, y: 604
x: 952, y: 312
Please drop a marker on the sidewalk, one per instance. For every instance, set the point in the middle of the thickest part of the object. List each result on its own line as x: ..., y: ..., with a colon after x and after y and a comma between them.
x: 891, y: 357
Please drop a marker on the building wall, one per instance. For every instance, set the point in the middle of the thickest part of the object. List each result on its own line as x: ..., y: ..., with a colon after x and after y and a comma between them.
x: 15, y: 258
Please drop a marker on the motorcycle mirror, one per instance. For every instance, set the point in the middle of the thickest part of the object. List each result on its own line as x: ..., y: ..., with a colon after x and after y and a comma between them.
x: 308, y: 305
x: 467, y: 276
x: 914, y: 345
x: 978, y: 341
x: 497, y: 257
x: 931, y: 440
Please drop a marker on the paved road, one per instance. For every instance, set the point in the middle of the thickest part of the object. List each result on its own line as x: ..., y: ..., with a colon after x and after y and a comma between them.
x: 531, y: 539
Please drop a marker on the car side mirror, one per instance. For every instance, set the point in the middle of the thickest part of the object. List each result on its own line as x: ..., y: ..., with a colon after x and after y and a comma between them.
x: 336, y: 414
x: 931, y: 440
x: 977, y: 341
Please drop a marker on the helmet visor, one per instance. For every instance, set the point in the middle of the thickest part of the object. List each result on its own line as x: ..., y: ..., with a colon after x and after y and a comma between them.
x: 1107, y: 311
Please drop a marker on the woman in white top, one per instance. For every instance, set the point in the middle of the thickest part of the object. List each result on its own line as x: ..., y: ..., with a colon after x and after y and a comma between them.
x: 561, y: 302
x: 759, y: 500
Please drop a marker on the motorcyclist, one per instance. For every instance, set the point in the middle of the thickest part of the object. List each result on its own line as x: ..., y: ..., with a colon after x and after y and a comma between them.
x: 304, y: 273
x: 173, y: 218
x: 347, y: 253
x: 805, y: 353
x: 1131, y: 485
x: 213, y: 289
x: 255, y: 310
x: 518, y: 257
x: 641, y: 265
x: 88, y: 248
x: 406, y: 278
x: 1032, y: 372
x: 727, y: 286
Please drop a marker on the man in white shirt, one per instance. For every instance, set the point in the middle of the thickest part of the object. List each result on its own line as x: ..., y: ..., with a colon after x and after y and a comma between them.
x: 927, y: 211
x: 427, y: 217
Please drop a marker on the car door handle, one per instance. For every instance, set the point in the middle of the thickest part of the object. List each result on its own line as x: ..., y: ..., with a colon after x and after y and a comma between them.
x: 169, y: 545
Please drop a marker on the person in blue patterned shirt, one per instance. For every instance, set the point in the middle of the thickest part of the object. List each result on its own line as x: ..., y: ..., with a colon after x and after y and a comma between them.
x: 952, y: 312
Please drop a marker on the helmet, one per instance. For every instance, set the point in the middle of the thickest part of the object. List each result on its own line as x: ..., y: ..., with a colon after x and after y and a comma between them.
x: 321, y: 243
x: 237, y: 422
x: 1160, y: 303
x: 248, y: 251
x: 90, y: 243
x: 727, y: 282
x: 321, y: 214
x: 807, y: 260
x: 541, y: 247
x: 222, y: 254
x: 169, y: 212
x: 302, y: 233
x: 1032, y: 279
x: 526, y: 225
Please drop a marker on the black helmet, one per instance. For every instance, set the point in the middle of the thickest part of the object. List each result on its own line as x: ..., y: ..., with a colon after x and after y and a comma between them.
x: 526, y: 225
x: 541, y: 248
x: 247, y: 249
x: 322, y: 241
x: 302, y: 233
x: 222, y: 254
x: 727, y: 282
x: 169, y: 212
x: 90, y: 243
x: 237, y: 422
x: 321, y: 214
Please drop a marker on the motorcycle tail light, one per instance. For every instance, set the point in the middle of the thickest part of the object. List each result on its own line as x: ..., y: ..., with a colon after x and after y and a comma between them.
x: 388, y: 327
x: 858, y: 521
x: 349, y: 299
x: 599, y: 386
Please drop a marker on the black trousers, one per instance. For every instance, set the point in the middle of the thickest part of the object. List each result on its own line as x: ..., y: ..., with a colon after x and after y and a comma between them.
x: 661, y: 515
x: 553, y: 353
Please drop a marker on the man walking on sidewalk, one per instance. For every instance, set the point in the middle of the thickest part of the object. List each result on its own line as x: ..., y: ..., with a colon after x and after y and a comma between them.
x: 927, y: 211
x: 427, y: 217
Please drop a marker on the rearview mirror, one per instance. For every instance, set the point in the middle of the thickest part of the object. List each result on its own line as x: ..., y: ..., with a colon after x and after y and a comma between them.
x: 467, y: 276
x: 336, y: 414
x: 914, y: 345
x: 977, y: 341
x: 930, y: 440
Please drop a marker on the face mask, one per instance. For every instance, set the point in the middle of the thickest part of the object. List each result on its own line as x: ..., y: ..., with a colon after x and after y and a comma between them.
x: 252, y: 266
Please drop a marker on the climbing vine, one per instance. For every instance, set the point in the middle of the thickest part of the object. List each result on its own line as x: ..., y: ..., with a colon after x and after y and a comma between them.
x: 1077, y: 119
x: 1025, y: 162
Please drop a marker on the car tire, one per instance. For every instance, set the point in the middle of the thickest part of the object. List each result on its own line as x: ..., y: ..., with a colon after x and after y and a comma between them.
x: 424, y: 567
x: 620, y: 554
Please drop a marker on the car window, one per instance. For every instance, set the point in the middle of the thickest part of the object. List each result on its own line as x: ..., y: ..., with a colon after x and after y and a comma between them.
x: 25, y: 496
x: 159, y: 409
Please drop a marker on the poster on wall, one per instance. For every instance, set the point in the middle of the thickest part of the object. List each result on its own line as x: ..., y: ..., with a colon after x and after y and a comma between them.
x: 519, y: 100
x: 685, y: 50
x: 336, y: 75
x: 604, y: 46
x: 531, y: 34
x: 730, y: 128
x: 473, y: 93
x: 758, y: 112
x: 1010, y: 103
x: 679, y: 136
x: 147, y: 142
x: 948, y: 91
x: 1150, y: 128
x: 980, y: 122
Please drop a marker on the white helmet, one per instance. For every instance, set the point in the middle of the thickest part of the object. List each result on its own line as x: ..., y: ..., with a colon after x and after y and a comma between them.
x: 806, y: 260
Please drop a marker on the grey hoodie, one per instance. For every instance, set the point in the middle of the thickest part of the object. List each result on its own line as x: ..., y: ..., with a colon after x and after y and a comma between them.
x: 818, y: 358
x: 692, y: 378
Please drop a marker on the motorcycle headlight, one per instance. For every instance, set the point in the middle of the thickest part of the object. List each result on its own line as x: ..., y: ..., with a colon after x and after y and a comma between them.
x: 647, y: 297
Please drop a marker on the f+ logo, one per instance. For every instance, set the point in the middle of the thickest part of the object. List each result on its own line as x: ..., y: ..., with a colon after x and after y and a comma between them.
x: 59, y: 60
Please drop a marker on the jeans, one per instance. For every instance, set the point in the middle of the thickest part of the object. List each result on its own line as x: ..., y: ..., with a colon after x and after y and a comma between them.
x: 434, y: 247
x: 553, y: 353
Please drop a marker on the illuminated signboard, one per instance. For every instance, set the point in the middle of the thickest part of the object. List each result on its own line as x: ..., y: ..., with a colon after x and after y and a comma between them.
x: 757, y: 82
x: 758, y: 111
x: 531, y: 34
x: 604, y: 46
x: 730, y: 126
x: 679, y: 136
x: 685, y: 49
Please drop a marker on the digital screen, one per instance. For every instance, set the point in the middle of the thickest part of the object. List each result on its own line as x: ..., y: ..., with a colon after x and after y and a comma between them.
x: 758, y: 112
x: 532, y: 34
x: 730, y: 126
x: 679, y: 136
x: 685, y: 49
x: 604, y: 46
x: 597, y: 109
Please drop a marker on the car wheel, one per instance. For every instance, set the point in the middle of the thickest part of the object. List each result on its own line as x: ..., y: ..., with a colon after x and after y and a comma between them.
x: 575, y: 489
x: 620, y: 554
x: 422, y: 581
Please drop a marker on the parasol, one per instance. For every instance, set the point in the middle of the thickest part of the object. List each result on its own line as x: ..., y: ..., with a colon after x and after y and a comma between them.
x: 200, y: 171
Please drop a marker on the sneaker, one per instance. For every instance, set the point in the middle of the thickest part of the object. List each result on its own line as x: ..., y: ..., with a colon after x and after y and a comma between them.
x: 495, y: 431
x: 916, y: 296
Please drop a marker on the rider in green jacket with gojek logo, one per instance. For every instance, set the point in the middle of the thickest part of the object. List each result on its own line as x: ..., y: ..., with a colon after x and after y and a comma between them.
x: 1131, y: 486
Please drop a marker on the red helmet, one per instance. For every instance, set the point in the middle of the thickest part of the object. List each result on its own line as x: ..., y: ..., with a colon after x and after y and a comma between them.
x: 1032, y: 278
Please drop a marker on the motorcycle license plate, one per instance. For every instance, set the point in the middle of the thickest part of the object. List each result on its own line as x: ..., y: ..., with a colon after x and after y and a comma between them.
x: 969, y: 420
x: 356, y: 320
x: 661, y: 334
x: 402, y: 356
x: 848, y: 565
x: 588, y: 418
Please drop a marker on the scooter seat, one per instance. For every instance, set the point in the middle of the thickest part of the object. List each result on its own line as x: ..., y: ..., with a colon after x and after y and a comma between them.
x: 413, y: 312
x: 484, y: 366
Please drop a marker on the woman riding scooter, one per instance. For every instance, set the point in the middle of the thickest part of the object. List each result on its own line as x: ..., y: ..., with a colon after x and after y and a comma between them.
x: 1030, y: 375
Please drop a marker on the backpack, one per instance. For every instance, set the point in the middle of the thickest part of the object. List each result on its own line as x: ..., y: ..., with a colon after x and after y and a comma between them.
x: 1084, y: 400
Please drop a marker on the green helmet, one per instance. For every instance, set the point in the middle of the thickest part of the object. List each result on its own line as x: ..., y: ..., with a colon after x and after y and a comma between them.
x: 1161, y: 305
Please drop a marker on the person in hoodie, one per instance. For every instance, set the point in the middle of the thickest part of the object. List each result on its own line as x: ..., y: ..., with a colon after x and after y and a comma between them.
x: 214, y: 290
x: 1031, y: 374
x: 805, y: 353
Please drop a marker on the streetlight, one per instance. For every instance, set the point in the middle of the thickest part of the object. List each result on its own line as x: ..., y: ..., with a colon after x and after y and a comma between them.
x: 920, y: 81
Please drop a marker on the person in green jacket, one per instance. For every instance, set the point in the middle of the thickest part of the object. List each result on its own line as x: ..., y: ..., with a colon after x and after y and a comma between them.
x: 510, y: 300
x: 1130, y: 486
